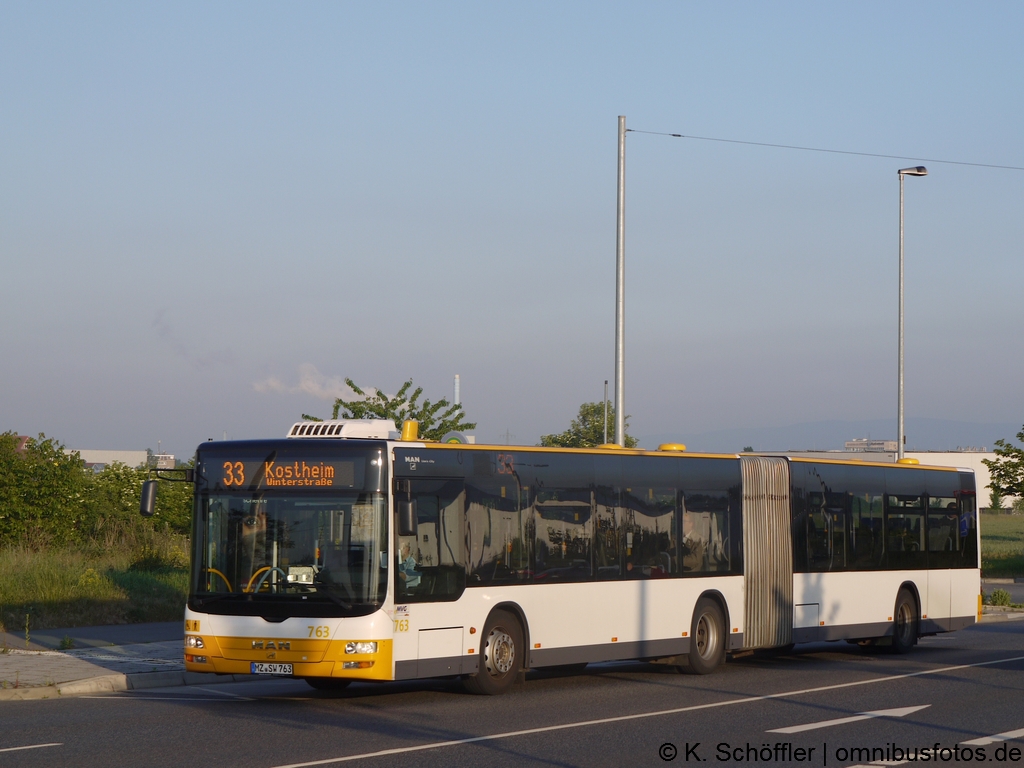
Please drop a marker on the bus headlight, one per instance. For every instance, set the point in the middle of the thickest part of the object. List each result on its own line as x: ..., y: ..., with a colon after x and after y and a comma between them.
x: 194, y: 641
x: 361, y: 647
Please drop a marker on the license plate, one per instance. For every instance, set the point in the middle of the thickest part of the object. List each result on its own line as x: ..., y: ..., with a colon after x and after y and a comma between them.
x: 263, y: 668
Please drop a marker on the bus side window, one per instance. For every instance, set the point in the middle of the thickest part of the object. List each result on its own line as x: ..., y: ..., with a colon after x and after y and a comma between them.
x: 433, y: 560
x: 968, y: 531
x: 607, y: 541
x: 564, y: 523
x: 943, y: 537
x: 819, y: 534
x: 649, y: 530
x: 904, y: 532
x: 496, y: 544
x: 705, y: 540
x: 866, y: 543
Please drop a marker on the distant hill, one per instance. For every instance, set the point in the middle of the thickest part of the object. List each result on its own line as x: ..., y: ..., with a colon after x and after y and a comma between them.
x: 922, y: 435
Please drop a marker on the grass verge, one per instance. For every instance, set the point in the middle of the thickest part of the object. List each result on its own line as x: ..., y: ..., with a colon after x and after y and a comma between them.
x: 75, y: 588
x: 1002, y: 546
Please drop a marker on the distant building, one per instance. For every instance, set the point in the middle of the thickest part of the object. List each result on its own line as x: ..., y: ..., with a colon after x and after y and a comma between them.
x: 162, y: 461
x: 864, y: 445
x: 97, y: 460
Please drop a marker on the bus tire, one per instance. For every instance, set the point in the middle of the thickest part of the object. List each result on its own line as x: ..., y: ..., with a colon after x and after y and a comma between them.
x: 501, y: 655
x: 707, y: 638
x: 904, y: 622
x: 327, y: 683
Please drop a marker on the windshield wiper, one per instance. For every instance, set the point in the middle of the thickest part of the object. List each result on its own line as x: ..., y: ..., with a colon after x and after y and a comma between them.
x: 215, y: 598
x: 335, y: 599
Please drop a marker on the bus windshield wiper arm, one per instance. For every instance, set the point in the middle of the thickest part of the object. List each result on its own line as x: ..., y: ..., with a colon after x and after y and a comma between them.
x: 215, y: 598
x: 335, y: 599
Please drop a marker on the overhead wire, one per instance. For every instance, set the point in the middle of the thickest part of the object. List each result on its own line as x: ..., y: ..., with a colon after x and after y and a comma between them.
x: 829, y: 151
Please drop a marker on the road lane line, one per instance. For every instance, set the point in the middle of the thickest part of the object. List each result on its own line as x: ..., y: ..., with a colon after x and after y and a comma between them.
x: 642, y: 715
x: 223, y: 693
x: 993, y: 739
x: 33, y: 746
x: 901, y: 712
x: 167, y: 698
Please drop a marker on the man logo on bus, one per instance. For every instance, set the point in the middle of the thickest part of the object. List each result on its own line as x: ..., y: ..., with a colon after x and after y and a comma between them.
x: 270, y: 645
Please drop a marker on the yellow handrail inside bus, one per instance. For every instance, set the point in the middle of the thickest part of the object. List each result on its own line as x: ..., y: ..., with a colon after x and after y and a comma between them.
x: 248, y: 587
x: 214, y: 570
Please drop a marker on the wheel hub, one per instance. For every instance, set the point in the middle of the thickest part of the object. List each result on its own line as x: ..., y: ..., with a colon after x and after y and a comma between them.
x: 500, y: 655
x: 705, y: 637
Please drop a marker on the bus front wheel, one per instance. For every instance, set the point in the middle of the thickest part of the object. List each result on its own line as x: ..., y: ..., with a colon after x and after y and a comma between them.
x: 904, y: 623
x: 707, y: 638
x: 501, y: 655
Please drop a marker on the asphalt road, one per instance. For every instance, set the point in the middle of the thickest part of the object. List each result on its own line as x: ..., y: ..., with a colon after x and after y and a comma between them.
x: 952, y: 690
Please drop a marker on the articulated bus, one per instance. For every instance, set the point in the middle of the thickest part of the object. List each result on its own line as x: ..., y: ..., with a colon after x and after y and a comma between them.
x: 343, y: 552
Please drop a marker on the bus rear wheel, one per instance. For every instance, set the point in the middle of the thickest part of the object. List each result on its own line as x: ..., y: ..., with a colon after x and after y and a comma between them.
x: 501, y: 655
x: 707, y: 638
x: 904, y: 622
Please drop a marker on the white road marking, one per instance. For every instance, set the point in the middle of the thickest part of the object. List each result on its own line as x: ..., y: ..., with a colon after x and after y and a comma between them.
x: 973, y: 743
x: 33, y: 746
x: 901, y: 712
x: 993, y: 739
x: 223, y: 693
x: 642, y: 715
x: 165, y: 698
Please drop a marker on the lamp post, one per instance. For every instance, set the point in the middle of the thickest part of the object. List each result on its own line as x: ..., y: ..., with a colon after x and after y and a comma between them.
x: 620, y: 292
x: 918, y: 170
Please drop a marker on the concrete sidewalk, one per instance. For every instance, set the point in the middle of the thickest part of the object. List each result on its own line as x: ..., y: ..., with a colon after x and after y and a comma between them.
x: 102, y: 659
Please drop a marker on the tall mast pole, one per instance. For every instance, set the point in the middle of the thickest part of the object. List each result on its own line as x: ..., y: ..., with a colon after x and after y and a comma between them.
x: 899, y: 402
x: 620, y: 293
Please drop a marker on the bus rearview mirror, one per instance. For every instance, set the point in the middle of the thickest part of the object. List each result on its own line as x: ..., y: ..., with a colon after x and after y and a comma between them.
x: 147, y: 502
x: 407, y: 517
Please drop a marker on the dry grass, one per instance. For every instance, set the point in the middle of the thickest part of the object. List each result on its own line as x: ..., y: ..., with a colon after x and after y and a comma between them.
x: 85, y: 587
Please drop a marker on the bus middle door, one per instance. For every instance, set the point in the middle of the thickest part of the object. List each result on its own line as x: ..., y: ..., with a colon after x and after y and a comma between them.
x: 430, y: 577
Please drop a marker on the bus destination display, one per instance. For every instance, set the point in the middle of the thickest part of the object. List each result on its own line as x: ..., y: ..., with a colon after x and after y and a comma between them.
x: 298, y: 473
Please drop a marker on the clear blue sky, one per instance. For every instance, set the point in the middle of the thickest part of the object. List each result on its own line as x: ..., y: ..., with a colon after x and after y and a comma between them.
x: 211, y: 213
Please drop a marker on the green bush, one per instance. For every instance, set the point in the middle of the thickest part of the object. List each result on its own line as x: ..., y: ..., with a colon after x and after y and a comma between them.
x: 1001, y: 597
x: 48, y: 498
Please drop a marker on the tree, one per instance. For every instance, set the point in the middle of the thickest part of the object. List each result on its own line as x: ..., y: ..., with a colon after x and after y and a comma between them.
x: 435, y: 419
x: 587, y: 429
x: 1007, y: 468
x: 41, y: 491
x: 995, y: 500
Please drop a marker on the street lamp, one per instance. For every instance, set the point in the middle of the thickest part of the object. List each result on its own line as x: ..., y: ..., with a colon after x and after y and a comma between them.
x: 620, y: 292
x: 918, y: 170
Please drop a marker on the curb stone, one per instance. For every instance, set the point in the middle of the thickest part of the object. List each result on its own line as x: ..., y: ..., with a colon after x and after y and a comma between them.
x: 116, y: 683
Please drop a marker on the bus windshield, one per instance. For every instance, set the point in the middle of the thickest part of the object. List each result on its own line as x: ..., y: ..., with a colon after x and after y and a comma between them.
x: 322, y: 554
